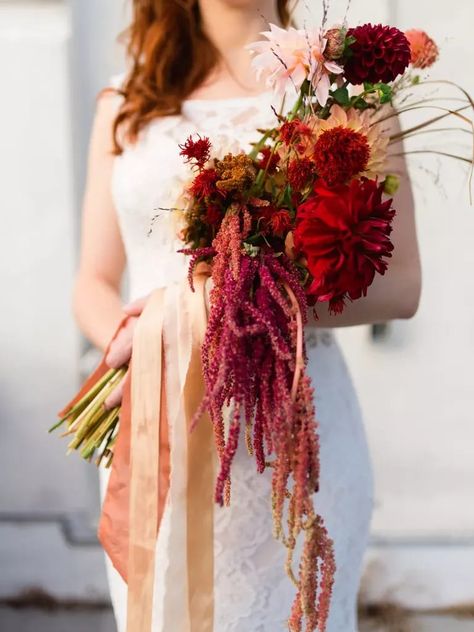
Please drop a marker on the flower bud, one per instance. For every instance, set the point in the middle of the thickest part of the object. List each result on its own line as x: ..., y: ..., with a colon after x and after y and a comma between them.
x: 336, y: 39
x: 391, y: 184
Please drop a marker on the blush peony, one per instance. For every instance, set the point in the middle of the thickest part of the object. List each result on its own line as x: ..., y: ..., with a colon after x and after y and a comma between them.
x: 344, y: 234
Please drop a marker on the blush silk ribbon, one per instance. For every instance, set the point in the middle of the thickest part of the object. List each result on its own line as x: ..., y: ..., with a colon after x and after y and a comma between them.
x: 139, y: 482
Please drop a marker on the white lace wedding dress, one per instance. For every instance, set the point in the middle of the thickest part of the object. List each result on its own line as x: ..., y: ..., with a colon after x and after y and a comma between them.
x: 252, y: 591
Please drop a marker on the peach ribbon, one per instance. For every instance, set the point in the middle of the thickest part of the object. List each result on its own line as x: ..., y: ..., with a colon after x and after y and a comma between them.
x: 200, y: 473
x: 139, y: 482
x: 146, y: 390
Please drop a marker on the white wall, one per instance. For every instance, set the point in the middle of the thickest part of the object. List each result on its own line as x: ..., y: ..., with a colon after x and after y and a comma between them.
x: 416, y: 384
x: 39, y: 347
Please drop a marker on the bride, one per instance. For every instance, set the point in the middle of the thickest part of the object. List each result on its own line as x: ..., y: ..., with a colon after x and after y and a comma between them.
x: 190, y: 73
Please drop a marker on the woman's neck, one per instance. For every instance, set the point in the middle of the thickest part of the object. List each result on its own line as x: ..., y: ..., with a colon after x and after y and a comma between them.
x: 230, y: 28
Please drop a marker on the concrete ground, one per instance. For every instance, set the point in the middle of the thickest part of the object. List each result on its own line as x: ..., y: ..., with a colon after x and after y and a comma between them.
x: 101, y: 620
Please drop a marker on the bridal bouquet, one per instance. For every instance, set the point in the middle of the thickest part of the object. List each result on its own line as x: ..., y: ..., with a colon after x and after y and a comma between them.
x: 301, y: 220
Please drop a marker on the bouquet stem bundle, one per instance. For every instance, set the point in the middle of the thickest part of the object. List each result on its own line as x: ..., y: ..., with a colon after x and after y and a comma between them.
x: 93, y: 428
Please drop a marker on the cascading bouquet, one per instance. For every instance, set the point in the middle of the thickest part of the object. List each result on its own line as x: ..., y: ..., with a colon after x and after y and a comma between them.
x: 304, y: 218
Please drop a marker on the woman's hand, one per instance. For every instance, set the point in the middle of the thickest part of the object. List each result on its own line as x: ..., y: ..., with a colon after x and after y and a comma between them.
x: 120, y: 350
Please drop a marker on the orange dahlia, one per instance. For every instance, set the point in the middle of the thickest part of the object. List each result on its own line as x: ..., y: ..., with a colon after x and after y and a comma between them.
x: 424, y: 51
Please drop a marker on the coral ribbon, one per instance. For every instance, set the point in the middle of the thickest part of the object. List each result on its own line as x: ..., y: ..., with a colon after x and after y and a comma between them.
x: 139, y: 482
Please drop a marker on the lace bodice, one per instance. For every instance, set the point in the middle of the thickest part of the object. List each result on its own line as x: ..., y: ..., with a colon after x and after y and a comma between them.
x: 149, y: 177
x: 252, y: 592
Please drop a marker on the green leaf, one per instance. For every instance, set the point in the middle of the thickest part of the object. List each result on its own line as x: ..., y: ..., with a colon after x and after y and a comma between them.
x: 341, y: 96
x: 385, y: 92
x: 252, y: 251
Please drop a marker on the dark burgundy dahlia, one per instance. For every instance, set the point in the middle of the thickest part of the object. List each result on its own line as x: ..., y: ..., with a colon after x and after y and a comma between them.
x: 379, y: 53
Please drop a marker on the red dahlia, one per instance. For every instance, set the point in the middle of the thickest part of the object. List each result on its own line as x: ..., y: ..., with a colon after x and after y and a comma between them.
x: 196, y: 151
x: 379, y: 53
x: 341, y: 153
x: 343, y: 233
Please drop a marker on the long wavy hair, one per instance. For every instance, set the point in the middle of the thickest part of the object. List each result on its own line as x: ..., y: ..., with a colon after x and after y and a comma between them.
x: 170, y: 57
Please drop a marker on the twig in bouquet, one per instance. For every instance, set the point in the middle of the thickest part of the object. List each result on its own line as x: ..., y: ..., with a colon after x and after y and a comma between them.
x: 285, y: 66
x: 324, y: 20
x: 423, y: 102
x: 157, y: 216
x: 449, y: 83
x: 403, y: 133
x: 407, y: 134
x: 346, y: 14
x: 445, y: 155
x: 410, y: 108
x: 447, y: 112
x: 431, y: 151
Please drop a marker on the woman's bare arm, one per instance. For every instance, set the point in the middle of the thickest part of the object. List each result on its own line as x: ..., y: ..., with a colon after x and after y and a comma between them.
x: 396, y: 294
x: 97, y: 303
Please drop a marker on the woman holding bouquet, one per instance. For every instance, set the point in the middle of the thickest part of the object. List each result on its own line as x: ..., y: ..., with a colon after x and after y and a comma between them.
x: 190, y: 74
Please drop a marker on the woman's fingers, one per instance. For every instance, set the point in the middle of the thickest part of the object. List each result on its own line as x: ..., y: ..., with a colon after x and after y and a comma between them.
x: 121, y: 348
x: 136, y: 307
x: 115, y: 398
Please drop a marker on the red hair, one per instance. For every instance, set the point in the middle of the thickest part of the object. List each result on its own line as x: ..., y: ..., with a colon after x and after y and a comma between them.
x: 171, y: 56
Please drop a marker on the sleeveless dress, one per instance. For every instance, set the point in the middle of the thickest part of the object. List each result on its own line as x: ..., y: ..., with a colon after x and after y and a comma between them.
x: 252, y: 590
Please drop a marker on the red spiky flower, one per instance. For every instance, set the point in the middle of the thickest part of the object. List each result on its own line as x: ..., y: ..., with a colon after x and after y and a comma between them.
x: 300, y: 173
x: 341, y: 153
x: 197, y: 151
x: 204, y: 184
x: 292, y: 131
x: 280, y: 222
x: 379, y: 53
x: 344, y: 234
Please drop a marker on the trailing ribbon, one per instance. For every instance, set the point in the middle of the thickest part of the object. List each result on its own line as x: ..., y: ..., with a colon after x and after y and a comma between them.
x: 148, y: 415
x: 200, y: 473
x: 139, y: 483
